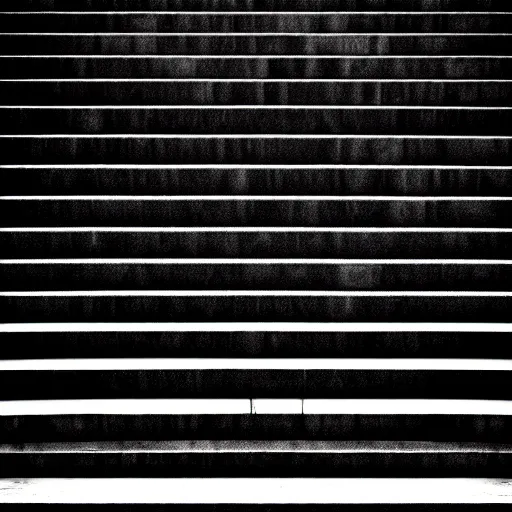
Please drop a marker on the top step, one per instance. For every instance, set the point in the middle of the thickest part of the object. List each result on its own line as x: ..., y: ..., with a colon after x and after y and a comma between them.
x: 258, y: 5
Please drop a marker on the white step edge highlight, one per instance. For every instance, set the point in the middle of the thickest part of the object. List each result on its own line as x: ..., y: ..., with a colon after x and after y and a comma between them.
x: 312, y: 327
x: 255, y: 406
x: 99, y: 229
x: 248, y: 261
x: 254, y: 198
x: 250, y: 293
x: 261, y: 491
x: 116, y: 364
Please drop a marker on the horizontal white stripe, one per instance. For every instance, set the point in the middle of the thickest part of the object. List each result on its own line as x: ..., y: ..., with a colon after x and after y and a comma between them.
x: 265, y: 229
x: 255, y: 198
x: 247, y: 107
x: 259, y: 34
x: 125, y: 406
x: 256, y: 364
x: 266, y: 446
x: 247, y: 261
x: 231, y: 57
x: 319, y: 167
x: 263, y: 80
x: 258, y: 136
x: 279, y: 406
x: 266, y: 13
x: 249, y: 293
x: 259, y: 490
x: 463, y: 407
x: 315, y: 327
x: 255, y: 406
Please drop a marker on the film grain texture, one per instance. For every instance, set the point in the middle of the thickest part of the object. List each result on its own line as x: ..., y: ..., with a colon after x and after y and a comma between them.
x: 256, y: 255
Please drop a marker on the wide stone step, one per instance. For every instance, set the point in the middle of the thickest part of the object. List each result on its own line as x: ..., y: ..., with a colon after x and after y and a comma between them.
x: 255, y: 5
x: 427, y: 244
x: 161, y: 341
x: 257, y: 180
x: 277, y: 67
x: 247, y: 212
x: 263, y: 120
x: 176, y: 306
x: 257, y: 150
x: 126, y: 92
x: 226, y: 44
x: 257, y: 384
x: 255, y: 459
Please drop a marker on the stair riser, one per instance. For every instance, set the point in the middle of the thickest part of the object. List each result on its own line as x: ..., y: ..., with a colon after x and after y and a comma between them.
x: 360, y: 213
x: 247, y: 344
x: 30, y: 309
x: 255, y: 465
x: 244, y: 384
x: 250, y: 121
x: 252, y: 45
x: 94, y: 427
x: 389, y: 277
x: 277, y: 68
x: 260, y: 181
x: 277, y: 151
x: 256, y: 5
x: 293, y: 23
x: 491, y: 94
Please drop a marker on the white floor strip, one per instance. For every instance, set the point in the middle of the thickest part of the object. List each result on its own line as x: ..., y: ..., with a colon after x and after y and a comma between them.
x: 313, y: 327
x: 255, y: 406
x: 256, y: 491
x: 267, y: 446
x: 256, y: 364
x: 260, y: 491
x: 248, y: 261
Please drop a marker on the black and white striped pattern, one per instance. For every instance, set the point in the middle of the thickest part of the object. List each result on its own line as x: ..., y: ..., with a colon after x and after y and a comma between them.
x: 256, y: 255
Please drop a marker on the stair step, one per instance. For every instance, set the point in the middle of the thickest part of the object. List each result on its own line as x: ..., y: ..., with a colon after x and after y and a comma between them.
x: 305, y: 67
x: 246, y: 92
x: 78, y: 385
x: 255, y: 459
x: 225, y: 44
x: 75, y: 344
x: 247, y: 181
x: 161, y: 22
x: 248, y: 120
x: 274, y: 275
x: 175, y: 306
x: 378, y: 243
x: 256, y: 5
x: 246, y: 212
x: 339, y: 427
x: 256, y: 150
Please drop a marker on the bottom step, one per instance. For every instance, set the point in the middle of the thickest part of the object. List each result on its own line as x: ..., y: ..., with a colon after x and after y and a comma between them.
x: 256, y: 459
x: 271, y: 491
